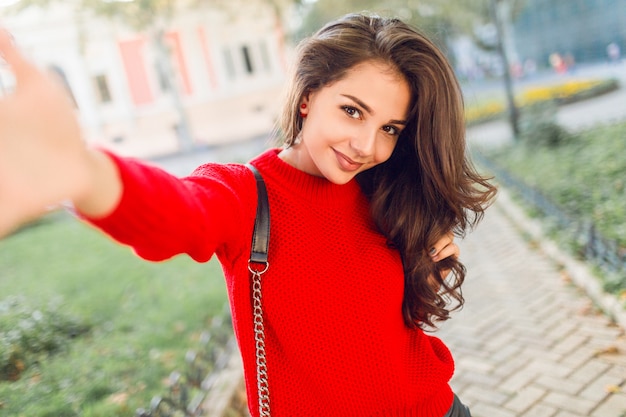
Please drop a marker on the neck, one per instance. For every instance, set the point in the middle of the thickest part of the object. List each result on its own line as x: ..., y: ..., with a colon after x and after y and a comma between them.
x: 296, y: 157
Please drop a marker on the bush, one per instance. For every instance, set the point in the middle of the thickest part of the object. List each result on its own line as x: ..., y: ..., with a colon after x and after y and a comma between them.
x: 143, y: 316
x: 28, y: 334
x: 559, y: 94
x: 538, y: 125
x: 568, y: 92
x: 585, y: 178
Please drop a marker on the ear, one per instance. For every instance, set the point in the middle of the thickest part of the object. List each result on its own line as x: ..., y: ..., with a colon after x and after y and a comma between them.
x: 304, y: 105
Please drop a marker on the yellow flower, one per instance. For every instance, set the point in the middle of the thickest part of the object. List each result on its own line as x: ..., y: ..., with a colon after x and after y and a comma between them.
x: 531, y: 95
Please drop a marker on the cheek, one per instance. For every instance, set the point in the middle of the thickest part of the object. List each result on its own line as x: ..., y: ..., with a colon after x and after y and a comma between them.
x: 316, y: 132
x: 385, y: 149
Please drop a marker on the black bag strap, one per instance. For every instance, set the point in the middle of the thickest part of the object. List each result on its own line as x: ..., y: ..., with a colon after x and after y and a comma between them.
x: 258, y: 256
x: 261, y: 235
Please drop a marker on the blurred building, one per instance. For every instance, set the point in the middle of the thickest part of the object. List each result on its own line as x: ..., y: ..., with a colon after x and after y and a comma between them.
x: 228, y: 65
x: 579, y: 30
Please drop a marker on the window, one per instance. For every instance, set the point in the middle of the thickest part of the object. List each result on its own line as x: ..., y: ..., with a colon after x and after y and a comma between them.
x: 102, y: 89
x: 246, y: 58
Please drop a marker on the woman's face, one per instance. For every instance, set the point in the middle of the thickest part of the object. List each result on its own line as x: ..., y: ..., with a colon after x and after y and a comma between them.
x: 351, y: 125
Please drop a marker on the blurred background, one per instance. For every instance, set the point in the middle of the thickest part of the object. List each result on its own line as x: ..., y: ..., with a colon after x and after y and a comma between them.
x: 87, y: 329
x: 153, y: 77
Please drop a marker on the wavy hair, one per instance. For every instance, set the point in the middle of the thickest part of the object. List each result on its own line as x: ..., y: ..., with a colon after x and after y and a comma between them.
x: 428, y: 187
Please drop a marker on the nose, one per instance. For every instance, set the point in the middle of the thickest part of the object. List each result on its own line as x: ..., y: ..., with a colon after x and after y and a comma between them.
x: 363, y: 143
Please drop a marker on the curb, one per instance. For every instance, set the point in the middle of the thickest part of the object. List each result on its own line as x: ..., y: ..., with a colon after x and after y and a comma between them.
x: 580, y: 272
x: 224, y: 388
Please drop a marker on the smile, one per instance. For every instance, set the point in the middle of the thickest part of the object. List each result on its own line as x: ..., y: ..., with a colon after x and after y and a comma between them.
x: 346, y: 163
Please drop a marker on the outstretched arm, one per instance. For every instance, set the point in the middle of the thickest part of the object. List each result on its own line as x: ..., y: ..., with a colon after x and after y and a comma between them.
x: 43, y: 159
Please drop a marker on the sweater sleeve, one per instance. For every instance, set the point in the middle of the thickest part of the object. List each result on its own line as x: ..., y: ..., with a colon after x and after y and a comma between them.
x: 160, y: 215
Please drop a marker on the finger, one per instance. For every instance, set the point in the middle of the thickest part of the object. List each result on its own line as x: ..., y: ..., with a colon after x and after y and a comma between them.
x: 441, y: 243
x: 7, y: 47
x: 449, y: 250
x: 10, y: 53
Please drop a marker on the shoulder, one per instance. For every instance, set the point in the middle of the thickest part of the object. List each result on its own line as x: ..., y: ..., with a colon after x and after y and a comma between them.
x: 234, y: 172
x: 234, y: 177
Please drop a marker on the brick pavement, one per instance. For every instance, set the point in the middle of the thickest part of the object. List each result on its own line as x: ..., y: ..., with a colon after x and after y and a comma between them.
x: 528, y: 343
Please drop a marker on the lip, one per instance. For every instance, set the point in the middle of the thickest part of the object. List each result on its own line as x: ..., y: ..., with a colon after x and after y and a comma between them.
x: 346, y: 163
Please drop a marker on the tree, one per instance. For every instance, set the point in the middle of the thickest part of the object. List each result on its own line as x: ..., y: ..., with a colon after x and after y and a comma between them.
x: 498, y: 19
x: 500, y: 14
x: 442, y: 19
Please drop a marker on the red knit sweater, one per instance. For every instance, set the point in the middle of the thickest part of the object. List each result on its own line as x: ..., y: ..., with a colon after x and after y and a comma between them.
x: 336, y: 341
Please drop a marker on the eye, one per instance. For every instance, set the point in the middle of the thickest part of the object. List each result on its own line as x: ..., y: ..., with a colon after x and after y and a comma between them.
x: 391, y: 130
x: 352, y: 112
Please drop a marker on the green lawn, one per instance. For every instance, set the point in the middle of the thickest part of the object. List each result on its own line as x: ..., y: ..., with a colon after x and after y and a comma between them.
x: 585, y: 176
x: 142, y: 317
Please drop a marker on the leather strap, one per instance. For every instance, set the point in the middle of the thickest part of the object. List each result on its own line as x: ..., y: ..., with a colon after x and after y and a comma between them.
x: 261, y: 235
x: 258, y: 256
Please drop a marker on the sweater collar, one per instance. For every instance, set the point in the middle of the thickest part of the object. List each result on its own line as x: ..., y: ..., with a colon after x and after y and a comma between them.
x: 279, y: 173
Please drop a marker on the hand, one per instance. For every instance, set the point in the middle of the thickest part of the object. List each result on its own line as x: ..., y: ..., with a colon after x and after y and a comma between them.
x: 43, y: 160
x: 444, y: 248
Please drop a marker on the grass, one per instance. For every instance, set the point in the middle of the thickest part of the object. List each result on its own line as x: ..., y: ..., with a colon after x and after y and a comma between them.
x: 142, y: 317
x: 586, y: 176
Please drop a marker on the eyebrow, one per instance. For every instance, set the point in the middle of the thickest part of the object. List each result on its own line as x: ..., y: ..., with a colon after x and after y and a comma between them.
x: 369, y: 109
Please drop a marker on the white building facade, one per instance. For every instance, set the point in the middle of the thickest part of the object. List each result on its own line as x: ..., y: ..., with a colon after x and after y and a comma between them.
x: 229, y: 70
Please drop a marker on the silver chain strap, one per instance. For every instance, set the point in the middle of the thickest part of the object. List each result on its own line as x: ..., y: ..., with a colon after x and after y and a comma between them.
x: 259, y: 337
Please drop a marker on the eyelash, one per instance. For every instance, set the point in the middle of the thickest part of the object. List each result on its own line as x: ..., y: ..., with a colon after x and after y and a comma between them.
x: 353, y: 111
x: 395, y: 132
x: 350, y: 109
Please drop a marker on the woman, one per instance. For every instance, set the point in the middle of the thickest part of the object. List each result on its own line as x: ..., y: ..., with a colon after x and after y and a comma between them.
x: 365, y: 194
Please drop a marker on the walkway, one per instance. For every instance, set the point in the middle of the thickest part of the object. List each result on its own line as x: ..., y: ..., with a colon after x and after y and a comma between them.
x: 528, y: 343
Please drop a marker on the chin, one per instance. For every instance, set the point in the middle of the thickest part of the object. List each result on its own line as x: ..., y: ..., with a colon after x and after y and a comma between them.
x: 340, y: 178
x: 342, y: 181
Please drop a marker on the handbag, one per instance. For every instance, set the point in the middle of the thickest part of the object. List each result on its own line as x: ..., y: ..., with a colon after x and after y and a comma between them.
x: 258, y: 265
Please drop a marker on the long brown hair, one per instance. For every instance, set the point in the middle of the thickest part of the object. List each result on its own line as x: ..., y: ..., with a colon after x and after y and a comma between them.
x: 428, y: 187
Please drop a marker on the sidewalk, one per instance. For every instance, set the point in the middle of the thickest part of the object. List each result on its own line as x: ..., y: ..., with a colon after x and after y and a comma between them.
x: 528, y: 343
